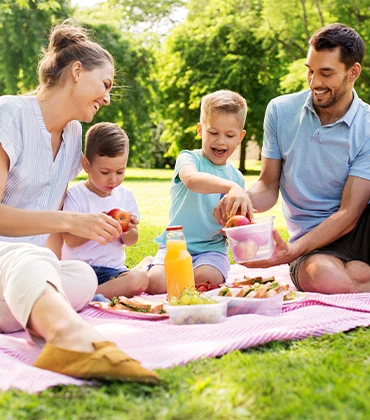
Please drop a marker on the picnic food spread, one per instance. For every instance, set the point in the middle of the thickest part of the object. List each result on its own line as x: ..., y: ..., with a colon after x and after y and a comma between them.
x: 258, y: 287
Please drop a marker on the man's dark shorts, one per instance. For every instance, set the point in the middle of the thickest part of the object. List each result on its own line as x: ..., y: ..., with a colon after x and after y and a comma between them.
x: 354, y: 245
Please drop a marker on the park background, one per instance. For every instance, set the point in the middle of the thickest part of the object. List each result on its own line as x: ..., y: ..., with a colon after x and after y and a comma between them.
x: 168, y: 55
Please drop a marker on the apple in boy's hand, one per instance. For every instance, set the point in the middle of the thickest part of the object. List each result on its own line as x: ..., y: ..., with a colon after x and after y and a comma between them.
x: 123, y: 217
x: 237, y: 220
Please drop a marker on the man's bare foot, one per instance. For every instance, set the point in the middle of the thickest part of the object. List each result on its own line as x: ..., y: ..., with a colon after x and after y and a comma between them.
x: 143, y: 264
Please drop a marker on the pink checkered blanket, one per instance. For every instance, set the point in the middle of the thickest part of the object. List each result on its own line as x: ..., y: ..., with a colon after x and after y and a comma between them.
x: 160, y: 345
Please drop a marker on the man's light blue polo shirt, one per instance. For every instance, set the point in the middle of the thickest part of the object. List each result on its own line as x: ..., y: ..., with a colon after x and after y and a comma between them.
x: 316, y: 159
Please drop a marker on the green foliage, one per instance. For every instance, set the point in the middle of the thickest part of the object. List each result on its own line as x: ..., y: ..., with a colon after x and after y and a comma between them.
x: 133, y: 12
x: 291, y: 23
x: 215, y: 48
x: 24, y: 26
x: 255, y: 47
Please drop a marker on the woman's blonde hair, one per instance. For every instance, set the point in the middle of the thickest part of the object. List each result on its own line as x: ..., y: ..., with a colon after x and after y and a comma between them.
x: 69, y: 42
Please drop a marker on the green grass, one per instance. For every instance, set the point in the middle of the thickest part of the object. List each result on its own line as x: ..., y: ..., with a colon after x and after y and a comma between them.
x: 316, y: 378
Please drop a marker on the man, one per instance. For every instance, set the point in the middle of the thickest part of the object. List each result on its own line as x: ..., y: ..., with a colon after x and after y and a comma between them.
x: 316, y: 151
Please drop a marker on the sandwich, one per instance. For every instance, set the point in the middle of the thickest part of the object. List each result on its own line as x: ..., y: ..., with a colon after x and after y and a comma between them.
x: 225, y: 291
x: 137, y: 304
x: 248, y: 281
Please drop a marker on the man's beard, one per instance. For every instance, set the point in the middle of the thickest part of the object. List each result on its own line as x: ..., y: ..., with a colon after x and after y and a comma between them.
x: 333, y: 99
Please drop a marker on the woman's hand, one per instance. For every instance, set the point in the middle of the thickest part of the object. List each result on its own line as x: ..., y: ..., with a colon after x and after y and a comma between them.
x: 97, y: 227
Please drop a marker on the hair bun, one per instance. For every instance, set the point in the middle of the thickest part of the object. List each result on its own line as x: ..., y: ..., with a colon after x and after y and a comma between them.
x: 66, y: 34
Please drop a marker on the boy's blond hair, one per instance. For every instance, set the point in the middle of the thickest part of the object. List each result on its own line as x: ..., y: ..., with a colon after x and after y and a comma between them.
x: 225, y: 101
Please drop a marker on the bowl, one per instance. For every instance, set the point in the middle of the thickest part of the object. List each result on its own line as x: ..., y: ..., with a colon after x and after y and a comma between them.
x: 271, y: 306
x: 212, y: 313
x: 252, y: 242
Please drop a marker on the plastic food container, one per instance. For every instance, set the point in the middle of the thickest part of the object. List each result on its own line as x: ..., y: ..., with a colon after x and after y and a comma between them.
x: 252, y: 242
x: 271, y: 306
x: 212, y: 313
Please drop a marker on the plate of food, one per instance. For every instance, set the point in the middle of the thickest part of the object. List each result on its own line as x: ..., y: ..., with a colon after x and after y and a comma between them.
x: 292, y: 296
x: 252, y: 283
x: 136, y: 307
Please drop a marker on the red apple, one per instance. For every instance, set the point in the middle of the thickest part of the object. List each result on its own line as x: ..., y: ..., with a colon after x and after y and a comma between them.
x: 237, y: 220
x: 244, y: 251
x: 260, y: 238
x: 122, y: 216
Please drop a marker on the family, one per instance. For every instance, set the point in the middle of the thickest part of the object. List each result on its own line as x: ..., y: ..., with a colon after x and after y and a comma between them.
x: 58, y: 247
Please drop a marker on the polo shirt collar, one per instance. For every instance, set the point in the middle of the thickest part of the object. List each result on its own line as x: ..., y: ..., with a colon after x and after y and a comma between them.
x: 349, y: 115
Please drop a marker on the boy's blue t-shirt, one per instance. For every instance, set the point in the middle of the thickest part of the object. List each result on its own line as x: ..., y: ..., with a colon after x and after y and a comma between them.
x: 193, y: 210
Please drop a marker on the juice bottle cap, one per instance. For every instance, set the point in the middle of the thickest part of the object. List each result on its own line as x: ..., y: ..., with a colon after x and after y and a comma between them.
x: 171, y: 228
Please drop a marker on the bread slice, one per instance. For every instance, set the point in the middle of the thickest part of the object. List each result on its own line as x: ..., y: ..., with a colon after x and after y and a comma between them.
x: 156, y: 306
x: 132, y: 305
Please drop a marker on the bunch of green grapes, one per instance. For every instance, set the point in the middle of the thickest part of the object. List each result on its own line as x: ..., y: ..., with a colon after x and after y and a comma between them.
x: 190, y: 296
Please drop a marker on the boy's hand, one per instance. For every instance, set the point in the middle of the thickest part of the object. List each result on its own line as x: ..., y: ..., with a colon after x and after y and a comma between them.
x: 130, y: 237
x: 134, y: 221
x: 236, y: 199
x: 132, y: 225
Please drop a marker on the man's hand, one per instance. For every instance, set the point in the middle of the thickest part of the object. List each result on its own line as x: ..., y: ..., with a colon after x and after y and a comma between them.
x: 283, y: 254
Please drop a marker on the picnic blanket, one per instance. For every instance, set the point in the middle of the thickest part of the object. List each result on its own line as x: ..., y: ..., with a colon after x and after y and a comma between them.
x: 160, y: 345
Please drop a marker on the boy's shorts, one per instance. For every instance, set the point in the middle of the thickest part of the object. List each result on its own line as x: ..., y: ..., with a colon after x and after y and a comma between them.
x: 354, y: 245
x: 215, y: 259
x: 105, y: 274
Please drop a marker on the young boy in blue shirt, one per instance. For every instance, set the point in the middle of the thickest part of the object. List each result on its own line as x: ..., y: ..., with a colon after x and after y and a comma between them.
x: 200, y: 178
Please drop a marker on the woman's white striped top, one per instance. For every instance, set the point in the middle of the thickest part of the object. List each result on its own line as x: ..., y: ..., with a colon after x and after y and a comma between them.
x: 35, y: 181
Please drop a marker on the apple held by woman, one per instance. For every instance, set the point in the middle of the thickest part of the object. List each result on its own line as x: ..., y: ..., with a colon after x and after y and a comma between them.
x: 123, y: 217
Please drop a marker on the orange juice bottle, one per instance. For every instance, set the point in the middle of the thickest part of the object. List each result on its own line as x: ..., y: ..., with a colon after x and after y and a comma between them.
x: 178, y: 265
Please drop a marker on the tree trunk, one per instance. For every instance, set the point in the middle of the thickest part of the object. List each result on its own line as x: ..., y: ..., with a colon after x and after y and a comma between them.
x: 243, y: 146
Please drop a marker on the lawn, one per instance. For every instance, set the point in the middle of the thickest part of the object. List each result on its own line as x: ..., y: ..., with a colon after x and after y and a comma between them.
x: 316, y: 378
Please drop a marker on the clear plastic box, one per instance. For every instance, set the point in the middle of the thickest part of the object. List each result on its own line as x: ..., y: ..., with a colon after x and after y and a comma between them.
x: 212, y: 313
x: 271, y: 306
x: 252, y: 242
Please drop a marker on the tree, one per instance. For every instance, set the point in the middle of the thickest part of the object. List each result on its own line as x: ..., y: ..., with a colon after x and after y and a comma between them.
x: 24, y: 26
x: 216, y: 48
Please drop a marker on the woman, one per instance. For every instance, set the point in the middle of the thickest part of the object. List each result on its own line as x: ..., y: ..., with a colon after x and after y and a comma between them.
x: 40, y: 151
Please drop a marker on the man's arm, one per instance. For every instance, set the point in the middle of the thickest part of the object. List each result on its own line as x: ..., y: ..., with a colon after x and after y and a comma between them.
x: 356, y: 195
x: 204, y: 183
x: 265, y: 192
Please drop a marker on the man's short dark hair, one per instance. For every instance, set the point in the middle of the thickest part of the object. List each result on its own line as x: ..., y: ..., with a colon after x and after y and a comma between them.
x: 338, y: 35
x: 105, y: 139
